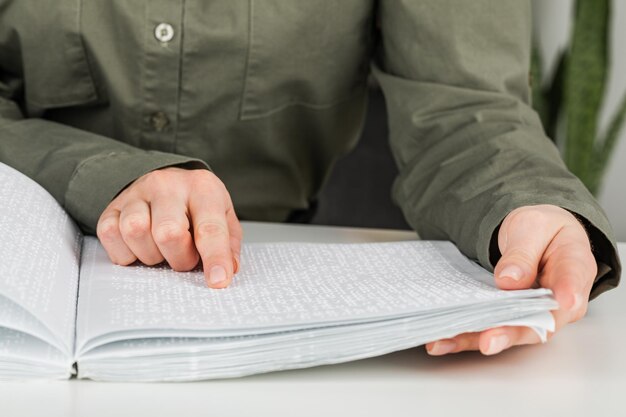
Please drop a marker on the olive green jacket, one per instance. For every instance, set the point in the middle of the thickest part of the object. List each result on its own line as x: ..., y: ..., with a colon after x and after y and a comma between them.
x: 269, y: 93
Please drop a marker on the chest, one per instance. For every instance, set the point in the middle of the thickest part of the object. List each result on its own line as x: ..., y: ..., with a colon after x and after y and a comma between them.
x: 269, y: 53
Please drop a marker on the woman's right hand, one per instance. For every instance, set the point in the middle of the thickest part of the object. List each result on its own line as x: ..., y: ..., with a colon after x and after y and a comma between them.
x: 176, y: 215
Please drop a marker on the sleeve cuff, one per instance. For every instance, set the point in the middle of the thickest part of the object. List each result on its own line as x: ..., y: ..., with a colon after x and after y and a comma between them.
x: 87, y: 195
x: 607, y: 258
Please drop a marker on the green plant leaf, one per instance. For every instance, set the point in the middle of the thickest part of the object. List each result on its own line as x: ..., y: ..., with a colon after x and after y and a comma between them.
x: 538, y: 94
x: 585, y: 81
x: 604, y: 149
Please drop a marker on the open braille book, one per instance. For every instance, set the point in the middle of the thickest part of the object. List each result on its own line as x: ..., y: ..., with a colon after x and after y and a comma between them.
x: 66, y: 310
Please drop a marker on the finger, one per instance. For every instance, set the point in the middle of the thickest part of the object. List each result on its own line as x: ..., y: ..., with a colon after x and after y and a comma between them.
x: 212, y: 238
x: 494, y: 341
x: 236, y: 235
x: 135, y: 228
x: 460, y: 343
x: 523, y: 239
x: 108, y: 232
x: 170, y: 230
x: 569, y: 273
x: 488, y: 342
x: 568, y: 282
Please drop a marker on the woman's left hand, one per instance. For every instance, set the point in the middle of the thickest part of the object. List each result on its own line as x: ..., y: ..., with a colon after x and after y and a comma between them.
x: 542, y: 246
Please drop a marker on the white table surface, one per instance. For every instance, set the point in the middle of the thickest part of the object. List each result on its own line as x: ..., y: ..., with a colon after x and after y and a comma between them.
x: 581, y: 372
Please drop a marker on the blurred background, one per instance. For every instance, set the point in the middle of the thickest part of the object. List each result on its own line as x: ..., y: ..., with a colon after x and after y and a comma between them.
x: 552, y: 24
x: 358, y: 191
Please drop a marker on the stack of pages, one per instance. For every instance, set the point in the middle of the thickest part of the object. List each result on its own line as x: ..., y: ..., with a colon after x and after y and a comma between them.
x: 65, y: 309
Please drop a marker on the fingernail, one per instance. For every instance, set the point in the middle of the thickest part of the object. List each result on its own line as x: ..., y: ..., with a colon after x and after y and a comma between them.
x: 512, y: 271
x: 217, y: 275
x: 497, y: 344
x: 442, y: 347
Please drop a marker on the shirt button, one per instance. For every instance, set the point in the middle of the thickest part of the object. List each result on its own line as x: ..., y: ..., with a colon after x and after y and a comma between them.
x: 164, y: 32
x: 159, y: 121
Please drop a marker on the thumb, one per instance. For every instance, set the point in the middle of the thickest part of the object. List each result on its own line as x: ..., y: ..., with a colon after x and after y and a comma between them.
x: 523, y: 239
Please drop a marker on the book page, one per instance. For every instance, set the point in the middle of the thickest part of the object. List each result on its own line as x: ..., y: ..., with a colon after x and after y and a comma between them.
x: 23, y: 356
x: 281, y: 286
x: 39, y: 256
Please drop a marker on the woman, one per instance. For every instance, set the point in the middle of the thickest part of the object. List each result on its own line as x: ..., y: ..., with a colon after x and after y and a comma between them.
x: 152, y: 121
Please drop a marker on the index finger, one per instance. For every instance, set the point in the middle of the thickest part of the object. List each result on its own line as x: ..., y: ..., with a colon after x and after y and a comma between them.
x: 570, y: 271
x: 212, y: 238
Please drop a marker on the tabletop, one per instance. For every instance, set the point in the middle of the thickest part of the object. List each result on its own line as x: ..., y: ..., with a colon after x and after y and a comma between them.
x: 580, y: 372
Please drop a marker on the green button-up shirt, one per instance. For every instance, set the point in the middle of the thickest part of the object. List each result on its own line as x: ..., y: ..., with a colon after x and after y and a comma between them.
x: 269, y: 93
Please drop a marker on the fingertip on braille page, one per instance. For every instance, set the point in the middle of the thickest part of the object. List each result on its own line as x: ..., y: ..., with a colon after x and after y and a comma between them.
x: 217, y: 275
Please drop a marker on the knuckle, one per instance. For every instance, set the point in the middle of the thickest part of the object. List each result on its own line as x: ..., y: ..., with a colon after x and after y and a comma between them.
x: 135, y: 226
x: 107, y: 230
x: 529, y: 217
x: 151, y: 261
x: 159, y: 179
x: 523, y: 256
x: 184, y: 266
x: 201, y: 174
x: 169, y: 232
x: 210, y: 229
x: 202, y: 178
x: 124, y: 261
x: 158, y: 175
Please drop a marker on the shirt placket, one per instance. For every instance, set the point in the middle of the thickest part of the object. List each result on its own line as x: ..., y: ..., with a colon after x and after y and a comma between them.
x: 161, y: 73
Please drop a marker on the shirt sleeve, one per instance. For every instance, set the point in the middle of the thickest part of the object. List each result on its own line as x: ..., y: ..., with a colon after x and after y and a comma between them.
x: 83, y: 171
x: 468, y: 145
